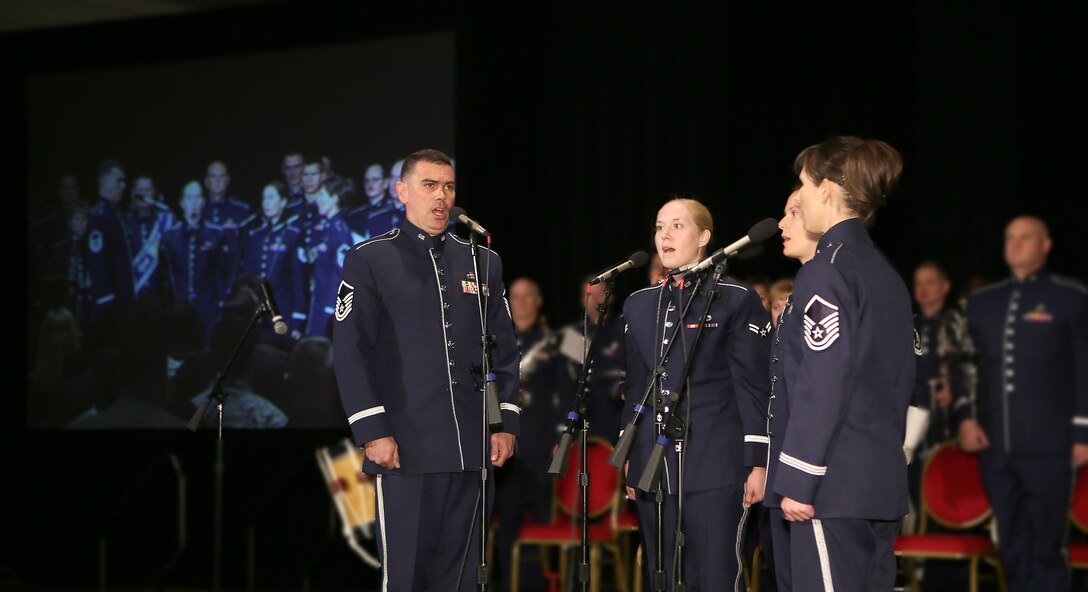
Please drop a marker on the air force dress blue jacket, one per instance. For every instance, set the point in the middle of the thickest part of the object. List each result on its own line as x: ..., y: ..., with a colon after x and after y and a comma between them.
x: 852, y: 383
x: 729, y: 389
x: 406, y: 336
x: 1032, y: 341
x: 786, y: 344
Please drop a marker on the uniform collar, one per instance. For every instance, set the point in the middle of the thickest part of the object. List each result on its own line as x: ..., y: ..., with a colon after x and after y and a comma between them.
x: 851, y: 228
x: 532, y: 334
x: 1042, y: 273
x: 421, y: 238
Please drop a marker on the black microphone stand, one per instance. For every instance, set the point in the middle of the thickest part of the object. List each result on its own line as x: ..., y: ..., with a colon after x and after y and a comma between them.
x: 627, y: 438
x: 678, y: 430
x: 491, y: 416
x: 578, y: 414
x: 219, y: 394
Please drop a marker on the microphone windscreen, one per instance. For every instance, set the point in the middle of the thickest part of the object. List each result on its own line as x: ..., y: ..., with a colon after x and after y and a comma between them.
x: 763, y: 230
x: 456, y: 212
x: 639, y: 258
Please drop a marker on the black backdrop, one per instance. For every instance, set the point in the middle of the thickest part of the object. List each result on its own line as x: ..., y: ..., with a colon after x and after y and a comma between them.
x: 572, y: 128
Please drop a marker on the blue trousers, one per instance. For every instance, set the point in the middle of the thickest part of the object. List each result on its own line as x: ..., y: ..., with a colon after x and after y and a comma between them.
x: 1030, y: 496
x: 424, y: 524
x: 841, y: 554
x: 712, y: 532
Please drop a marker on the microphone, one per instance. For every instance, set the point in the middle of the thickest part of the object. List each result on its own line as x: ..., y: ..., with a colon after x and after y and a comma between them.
x: 270, y: 304
x: 636, y: 259
x: 679, y: 270
x: 759, y: 232
x: 459, y: 213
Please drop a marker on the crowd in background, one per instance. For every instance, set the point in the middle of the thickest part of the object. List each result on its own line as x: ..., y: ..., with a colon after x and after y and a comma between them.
x: 189, y: 262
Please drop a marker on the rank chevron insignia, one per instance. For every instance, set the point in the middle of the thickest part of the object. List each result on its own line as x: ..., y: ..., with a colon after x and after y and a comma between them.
x: 344, y: 295
x: 821, y: 323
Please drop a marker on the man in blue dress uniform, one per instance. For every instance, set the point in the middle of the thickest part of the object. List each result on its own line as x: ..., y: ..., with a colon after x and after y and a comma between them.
x: 406, y: 337
x: 292, y: 176
x: 224, y: 210
x: 379, y: 213
x: 523, y: 487
x: 1030, y: 420
x: 221, y: 208
x: 109, y: 254
x: 304, y: 213
x: 197, y: 255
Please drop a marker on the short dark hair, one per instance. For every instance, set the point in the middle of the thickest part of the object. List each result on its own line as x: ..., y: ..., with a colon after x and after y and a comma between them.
x: 932, y: 264
x: 426, y: 155
x: 107, y: 166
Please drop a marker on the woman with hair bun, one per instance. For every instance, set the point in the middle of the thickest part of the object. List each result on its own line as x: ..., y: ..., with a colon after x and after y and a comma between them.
x: 840, y: 469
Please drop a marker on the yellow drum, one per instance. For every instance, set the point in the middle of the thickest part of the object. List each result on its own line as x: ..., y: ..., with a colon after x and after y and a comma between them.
x: 354, y: 494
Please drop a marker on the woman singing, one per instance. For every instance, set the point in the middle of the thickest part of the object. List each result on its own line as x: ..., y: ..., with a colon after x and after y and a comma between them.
x: 723, y: 404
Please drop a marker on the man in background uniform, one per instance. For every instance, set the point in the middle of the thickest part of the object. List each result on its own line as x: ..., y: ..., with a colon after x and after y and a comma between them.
x: 1030, y: 421
x: 378, y: 214
x: 224, y: 210
x: 109, y: 254
x: 523, y: 486
x: 292, y: 177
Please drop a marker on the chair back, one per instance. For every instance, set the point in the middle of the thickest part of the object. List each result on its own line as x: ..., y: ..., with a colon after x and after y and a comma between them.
x: 952, y: 491
x: 604, y: 480
x: 1078, y: 508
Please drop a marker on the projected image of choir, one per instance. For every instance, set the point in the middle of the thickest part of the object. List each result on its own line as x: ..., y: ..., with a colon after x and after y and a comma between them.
x: 188, y: 261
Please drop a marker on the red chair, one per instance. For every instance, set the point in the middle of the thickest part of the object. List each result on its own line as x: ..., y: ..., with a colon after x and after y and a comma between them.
x: 564, y: 531
x: 1078, y: 515
x: 953, y: 497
